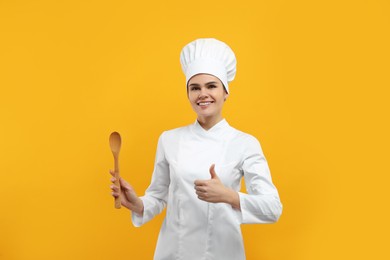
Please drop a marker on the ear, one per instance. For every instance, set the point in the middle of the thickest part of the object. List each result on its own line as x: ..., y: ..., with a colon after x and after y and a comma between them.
x: 225, y: 96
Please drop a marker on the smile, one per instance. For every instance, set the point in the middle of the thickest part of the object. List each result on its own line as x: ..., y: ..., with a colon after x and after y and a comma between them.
x: 205, y: 103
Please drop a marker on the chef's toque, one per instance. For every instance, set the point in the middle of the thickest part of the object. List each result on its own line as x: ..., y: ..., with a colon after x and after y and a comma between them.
x: 209, y: 56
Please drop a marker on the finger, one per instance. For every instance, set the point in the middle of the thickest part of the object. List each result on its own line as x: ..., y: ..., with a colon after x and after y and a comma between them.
x: 200, y: 188
x: 200, y: 182
x: 113, y: 179
x: 212, y: 172
x: 112, y: 172
x: 201, y: 197
x: 201, y: 193
x: 124, y: 184
x: 114, y: 188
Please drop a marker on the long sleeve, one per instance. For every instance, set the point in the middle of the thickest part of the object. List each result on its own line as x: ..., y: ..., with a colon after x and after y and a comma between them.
x: 262, y: 203
x: 156, y: 195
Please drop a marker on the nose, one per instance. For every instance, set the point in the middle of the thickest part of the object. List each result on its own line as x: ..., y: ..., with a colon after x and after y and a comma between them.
x: 203, y: 93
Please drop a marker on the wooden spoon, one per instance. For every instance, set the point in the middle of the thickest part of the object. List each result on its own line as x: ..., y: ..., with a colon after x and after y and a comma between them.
x: 115, y: 145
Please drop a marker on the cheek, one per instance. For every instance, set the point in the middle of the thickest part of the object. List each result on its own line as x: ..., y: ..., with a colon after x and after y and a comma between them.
x: 192, y: 97
x: 191, y: 100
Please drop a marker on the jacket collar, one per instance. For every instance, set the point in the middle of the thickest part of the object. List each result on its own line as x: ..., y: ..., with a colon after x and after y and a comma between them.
x: 216, y: 130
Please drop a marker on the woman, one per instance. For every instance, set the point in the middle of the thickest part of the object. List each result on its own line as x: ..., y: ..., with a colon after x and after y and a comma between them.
x: 198, y: 170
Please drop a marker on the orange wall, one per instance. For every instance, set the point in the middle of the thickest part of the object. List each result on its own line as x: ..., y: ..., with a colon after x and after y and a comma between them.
x: 312, y: 84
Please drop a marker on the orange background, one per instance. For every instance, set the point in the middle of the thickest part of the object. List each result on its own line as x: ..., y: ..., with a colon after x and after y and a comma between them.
x: 312, y: 85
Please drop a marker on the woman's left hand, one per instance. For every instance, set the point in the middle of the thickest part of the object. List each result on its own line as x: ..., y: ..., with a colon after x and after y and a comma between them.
x: 214, y: 191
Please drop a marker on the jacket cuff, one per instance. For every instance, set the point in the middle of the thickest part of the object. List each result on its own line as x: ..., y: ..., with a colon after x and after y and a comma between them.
x: 139, y: 219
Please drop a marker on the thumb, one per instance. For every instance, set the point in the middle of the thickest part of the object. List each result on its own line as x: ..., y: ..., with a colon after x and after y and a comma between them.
x: 124, y: 184
x: 212, y: 172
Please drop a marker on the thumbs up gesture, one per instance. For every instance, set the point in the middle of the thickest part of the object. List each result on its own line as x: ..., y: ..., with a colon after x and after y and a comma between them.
x: 212, y: 190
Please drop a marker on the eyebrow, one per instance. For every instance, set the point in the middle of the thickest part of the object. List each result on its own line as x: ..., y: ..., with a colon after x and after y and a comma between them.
x: 208, y: 83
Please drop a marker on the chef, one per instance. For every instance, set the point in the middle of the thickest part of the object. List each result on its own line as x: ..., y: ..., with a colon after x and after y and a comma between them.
x: 198, y: 170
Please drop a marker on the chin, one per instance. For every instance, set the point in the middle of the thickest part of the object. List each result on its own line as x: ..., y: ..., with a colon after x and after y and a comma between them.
x: 205, y: 115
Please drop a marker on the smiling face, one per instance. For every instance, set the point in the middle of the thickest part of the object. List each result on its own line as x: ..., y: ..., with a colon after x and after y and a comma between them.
x: 207, y: 96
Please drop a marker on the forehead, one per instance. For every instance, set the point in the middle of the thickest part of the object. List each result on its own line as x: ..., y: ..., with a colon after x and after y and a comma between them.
x: 203, y: 79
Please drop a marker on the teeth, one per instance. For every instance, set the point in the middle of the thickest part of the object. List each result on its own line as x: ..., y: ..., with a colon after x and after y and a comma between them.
x: 204, y: 103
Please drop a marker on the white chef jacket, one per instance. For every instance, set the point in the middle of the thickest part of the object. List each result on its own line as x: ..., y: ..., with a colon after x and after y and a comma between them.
x: 195, y: 229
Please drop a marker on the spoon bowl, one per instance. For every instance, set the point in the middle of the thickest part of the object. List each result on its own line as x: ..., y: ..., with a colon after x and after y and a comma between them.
x: 115, y: 143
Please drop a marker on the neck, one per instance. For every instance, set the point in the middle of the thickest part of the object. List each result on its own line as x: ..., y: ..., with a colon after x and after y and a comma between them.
x: 209, y: 122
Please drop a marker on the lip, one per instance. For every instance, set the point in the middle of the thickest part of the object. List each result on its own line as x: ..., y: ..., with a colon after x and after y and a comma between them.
x: 205, y: 103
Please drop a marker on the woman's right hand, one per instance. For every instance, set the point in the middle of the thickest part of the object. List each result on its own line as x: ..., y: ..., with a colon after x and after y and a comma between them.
x: 129, y: 198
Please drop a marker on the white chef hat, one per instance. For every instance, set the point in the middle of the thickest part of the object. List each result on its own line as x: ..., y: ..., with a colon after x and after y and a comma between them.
x: 209, y: 56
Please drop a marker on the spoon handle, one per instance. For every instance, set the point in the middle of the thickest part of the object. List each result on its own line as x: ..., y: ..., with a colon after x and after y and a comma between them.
x: 117, y: 183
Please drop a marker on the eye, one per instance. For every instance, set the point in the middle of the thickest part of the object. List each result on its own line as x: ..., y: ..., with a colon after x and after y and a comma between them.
x: 194, y: 88
x: 212, y: 86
